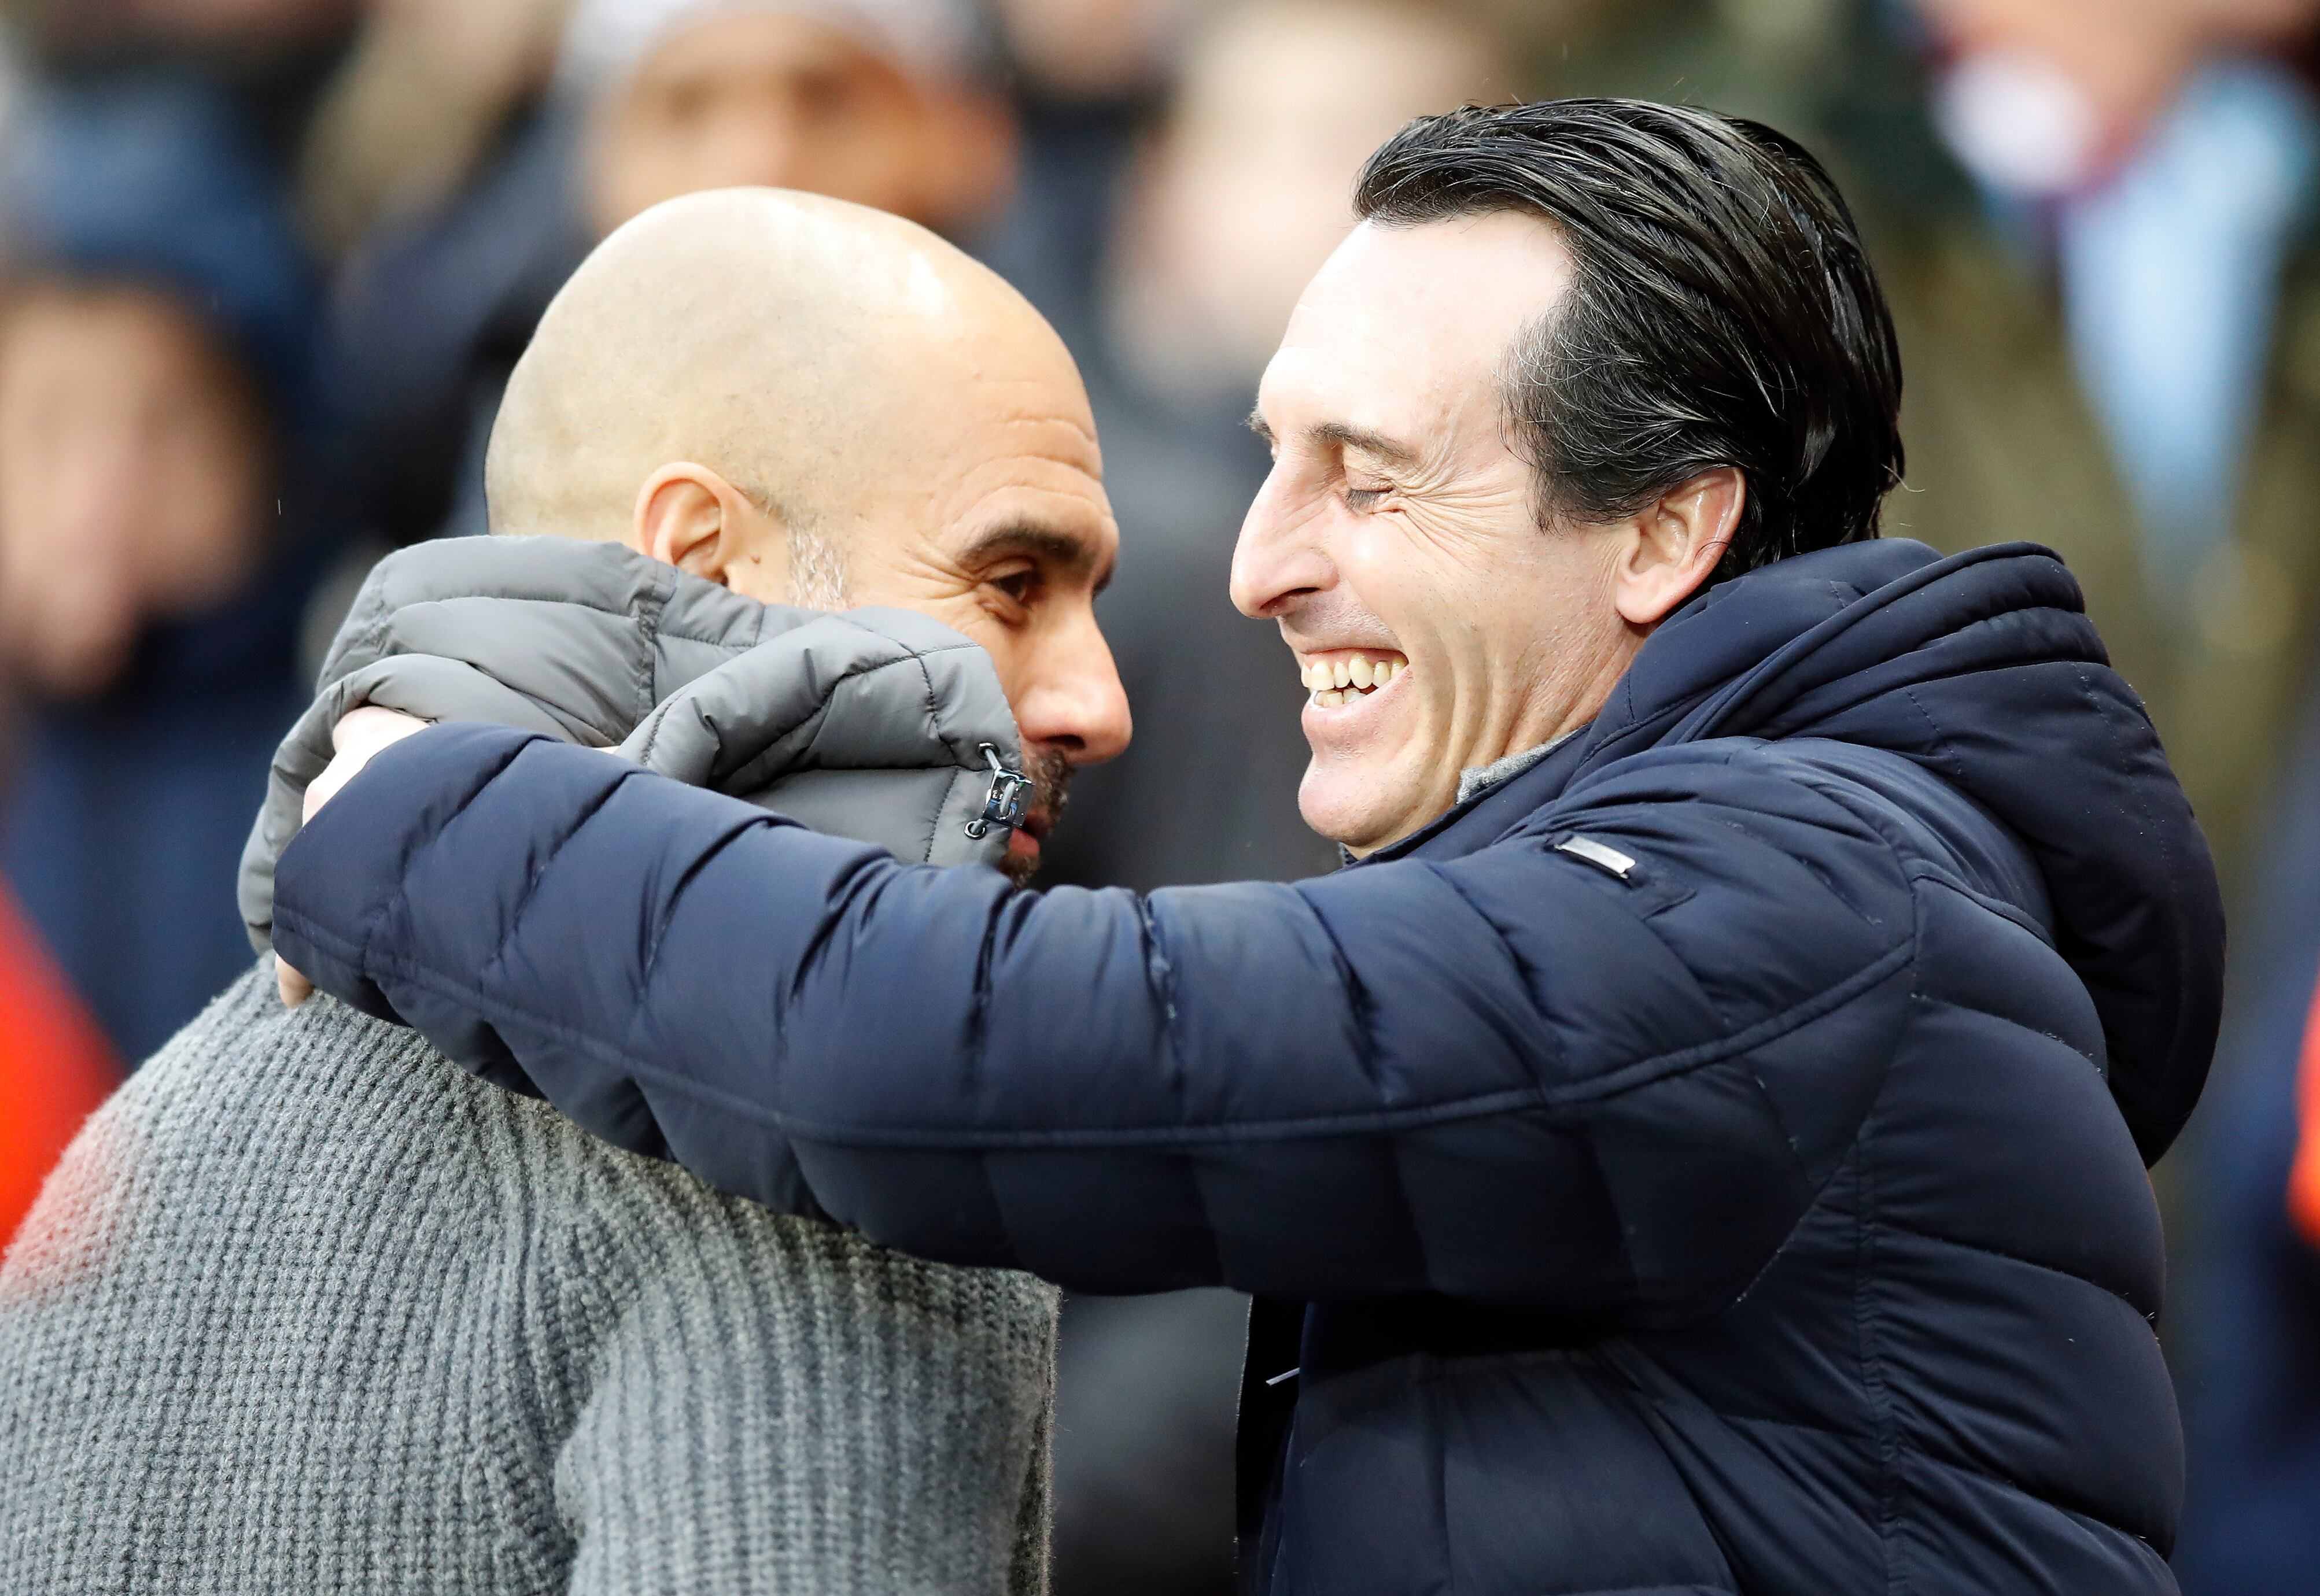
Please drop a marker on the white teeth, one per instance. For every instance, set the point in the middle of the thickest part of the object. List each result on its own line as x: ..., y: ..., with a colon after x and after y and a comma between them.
x: 1340, y: 680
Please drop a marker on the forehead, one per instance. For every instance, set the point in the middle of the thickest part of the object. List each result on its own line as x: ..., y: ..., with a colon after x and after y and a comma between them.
x: 1033, y: 469
x: 1003, y: 422
x: 1407, y: 319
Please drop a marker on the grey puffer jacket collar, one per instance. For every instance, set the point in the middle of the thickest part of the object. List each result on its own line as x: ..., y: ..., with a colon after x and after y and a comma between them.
x: 871, y: 725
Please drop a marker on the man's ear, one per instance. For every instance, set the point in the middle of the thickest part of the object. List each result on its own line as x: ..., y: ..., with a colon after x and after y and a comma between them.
x: 690, y: 516
x: 1674, y: 546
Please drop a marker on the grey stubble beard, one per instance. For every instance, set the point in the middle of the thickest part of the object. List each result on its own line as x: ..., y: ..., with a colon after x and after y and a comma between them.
x: 816, y: 569
x: 1051, y: 775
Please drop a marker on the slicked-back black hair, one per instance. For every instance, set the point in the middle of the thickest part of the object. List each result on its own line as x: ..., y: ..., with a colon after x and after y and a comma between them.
x: 1722, y: 313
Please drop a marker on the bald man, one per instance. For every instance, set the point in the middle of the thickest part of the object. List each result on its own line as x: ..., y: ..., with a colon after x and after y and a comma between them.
x: 896, y: 425
x: 307, y: 1308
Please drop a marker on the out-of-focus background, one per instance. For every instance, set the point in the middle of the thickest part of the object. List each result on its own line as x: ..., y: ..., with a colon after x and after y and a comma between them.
x: 267, y: 264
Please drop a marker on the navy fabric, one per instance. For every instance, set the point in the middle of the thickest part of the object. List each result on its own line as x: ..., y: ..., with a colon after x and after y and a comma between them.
x: 1769, y: 1216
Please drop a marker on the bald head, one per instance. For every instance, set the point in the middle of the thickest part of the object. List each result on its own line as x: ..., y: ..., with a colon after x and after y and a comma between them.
x: 807, y: 350
x: 820, y: 404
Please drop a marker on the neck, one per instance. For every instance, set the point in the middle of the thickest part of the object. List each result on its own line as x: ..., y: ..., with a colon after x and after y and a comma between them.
x: 1568, y: 699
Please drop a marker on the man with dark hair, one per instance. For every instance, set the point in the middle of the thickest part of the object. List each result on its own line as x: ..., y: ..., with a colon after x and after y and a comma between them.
x: 1699, y: 1143
x: 1749, y: 287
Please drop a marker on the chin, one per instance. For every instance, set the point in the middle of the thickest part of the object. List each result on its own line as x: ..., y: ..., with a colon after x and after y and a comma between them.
x: 1025, y: 850
x: 1341, y: 807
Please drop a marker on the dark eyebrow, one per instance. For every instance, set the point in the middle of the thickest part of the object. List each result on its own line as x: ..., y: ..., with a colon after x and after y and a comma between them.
x: 1393, y: 451
x: 1073, y: 555
x: 1345, y: 436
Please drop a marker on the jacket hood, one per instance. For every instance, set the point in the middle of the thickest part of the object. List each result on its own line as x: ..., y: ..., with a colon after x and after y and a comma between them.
x: 871, y: 725
x: 1984, y: 669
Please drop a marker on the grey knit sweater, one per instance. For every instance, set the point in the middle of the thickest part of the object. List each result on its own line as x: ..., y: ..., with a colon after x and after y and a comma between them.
x: 307, y: 1309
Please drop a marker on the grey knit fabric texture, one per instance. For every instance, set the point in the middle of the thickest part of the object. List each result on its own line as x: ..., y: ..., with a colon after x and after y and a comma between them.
x: 307, y: 1309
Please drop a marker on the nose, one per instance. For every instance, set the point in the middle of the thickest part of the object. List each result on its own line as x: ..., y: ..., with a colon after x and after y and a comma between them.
x: 1278, y: 559
x: 1076, y: 703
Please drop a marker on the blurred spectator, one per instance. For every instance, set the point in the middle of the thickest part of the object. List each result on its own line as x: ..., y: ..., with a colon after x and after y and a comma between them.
x: 887, y: 103
x: 2177, y: 170
x: 135, y: 458
x: 883, y: 103
x: 428, y: 89
x: 155, y: 406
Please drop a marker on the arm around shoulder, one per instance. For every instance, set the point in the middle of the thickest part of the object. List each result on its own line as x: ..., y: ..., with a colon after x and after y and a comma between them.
x: 1508, y: 1077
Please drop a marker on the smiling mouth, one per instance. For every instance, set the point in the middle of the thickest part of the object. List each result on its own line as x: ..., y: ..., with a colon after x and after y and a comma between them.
x: 1346, y: 676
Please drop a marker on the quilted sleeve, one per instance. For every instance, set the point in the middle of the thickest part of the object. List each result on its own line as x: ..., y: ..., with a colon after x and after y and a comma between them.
x: 1600, y: 1066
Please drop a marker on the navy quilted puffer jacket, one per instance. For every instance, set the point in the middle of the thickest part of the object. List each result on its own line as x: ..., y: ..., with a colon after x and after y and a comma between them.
x: 1710, y: 1161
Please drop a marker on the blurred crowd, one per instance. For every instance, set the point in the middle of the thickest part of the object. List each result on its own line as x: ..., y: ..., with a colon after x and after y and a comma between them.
x: 264, y: 266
